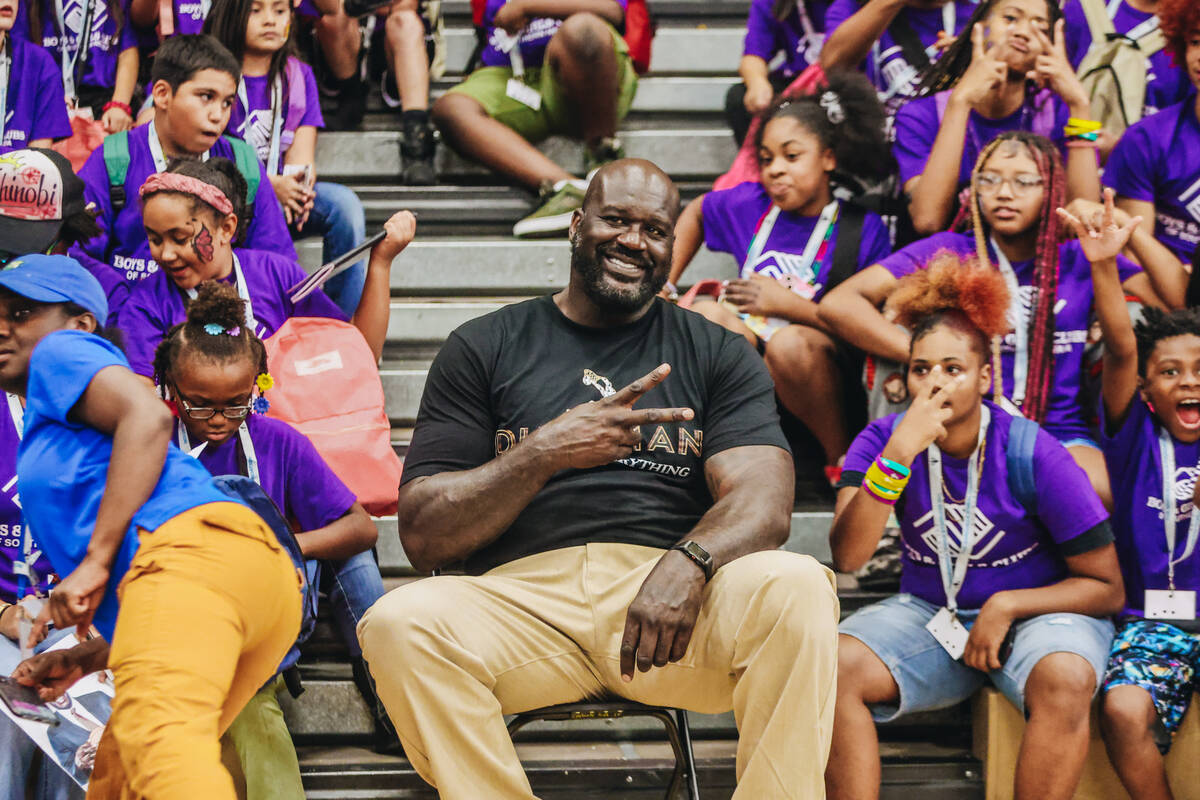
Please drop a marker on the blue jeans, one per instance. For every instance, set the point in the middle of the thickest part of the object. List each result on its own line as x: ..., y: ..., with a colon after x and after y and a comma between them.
x: 337, y: 215
x: 17, y: 750
x: 352, y: 587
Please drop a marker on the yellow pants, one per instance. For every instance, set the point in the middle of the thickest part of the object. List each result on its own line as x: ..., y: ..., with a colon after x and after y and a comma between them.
x: 209, y: 608
x: 450, y: 655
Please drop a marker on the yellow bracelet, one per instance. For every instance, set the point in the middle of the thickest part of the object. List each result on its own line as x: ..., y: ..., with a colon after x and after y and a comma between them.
x: 1083, y: 125
x: 884, y: 481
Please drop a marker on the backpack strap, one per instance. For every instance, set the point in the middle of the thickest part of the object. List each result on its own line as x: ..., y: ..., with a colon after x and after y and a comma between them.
x: 247, y: 163
x: 910, y: 44
x: 1099, y: 24
x: 1022, y: 437
x: 116, y: 164
x: 845, y: 250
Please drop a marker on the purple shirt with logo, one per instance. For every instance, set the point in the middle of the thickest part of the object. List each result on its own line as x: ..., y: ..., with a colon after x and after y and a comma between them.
x: 1065, y: 414
x: 1132, y: 453
x: 917, y: 124
x: 1166, y: 84
x: 291, y: 472
x: 121, y: 244
x: 156, y: 304
x: 255, y: 125
x: 886, y: 66
x: 534, y: 38
x: 1014, y: 549
x: 12, y: 526
x: 106, y: 43
x: 768, y: 37
x: 1158, y: 160
x: 36, y: 105
x: 731, y: 217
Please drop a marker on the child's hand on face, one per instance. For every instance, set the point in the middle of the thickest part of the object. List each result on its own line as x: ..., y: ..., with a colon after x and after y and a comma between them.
x: 925, y: 421
x: 1053, y: 69
x: 759, y: 295
x: 987, y: 72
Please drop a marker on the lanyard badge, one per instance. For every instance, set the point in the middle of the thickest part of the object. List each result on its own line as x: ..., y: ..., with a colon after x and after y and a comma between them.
x: 1172, y: 603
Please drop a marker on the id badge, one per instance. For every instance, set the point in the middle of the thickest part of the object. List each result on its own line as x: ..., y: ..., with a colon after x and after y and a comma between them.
x: 1163, y: 604
x: 524, y: 94
x: 949, y: 632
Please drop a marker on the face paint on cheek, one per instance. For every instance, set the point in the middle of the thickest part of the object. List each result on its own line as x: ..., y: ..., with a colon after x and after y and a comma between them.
x: 202, y: 243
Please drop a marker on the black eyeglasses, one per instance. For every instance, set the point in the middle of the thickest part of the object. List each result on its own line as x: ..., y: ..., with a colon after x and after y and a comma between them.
x: 202, y: 412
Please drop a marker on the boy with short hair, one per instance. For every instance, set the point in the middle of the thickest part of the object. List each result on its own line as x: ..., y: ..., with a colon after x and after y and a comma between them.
x: 195, y: 82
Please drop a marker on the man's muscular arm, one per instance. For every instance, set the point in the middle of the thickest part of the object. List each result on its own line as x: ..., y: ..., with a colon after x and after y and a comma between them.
x: 444, y: 518
x: 753, y: 488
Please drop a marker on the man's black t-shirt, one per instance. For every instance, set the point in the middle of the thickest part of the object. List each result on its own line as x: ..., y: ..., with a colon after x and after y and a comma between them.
x: 501, y: 376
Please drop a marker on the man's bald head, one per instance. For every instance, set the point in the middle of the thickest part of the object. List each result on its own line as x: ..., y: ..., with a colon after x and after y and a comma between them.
x: 633, y: 177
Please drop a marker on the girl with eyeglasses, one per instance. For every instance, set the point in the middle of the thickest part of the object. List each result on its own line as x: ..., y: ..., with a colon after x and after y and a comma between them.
x: 212, y: 370
x: 193, y: 215
x: 1010, y: 222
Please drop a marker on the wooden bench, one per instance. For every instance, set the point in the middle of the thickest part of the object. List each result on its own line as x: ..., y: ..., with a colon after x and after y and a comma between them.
x: 998, y: 728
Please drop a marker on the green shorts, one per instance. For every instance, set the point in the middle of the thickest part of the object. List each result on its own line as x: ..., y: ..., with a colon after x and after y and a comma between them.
x: 489, y: 86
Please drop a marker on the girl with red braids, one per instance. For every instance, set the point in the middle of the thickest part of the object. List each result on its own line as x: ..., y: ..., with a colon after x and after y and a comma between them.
x: 1016, y: 185
x: 1021, y: 602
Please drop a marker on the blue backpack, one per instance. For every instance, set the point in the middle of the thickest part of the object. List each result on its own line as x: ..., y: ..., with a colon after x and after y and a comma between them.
x: 249, y: 493
x: 1018, y: 458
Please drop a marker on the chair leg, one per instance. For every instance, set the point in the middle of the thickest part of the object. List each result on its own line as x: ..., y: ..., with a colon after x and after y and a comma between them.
x: 685, y: 734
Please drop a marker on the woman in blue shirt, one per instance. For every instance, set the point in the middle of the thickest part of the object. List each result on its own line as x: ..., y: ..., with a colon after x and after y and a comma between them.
x: 145, y: 541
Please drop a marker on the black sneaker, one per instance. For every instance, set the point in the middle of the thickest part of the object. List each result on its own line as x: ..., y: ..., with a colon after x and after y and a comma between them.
x: 351, y: 105
x: 417, y: 147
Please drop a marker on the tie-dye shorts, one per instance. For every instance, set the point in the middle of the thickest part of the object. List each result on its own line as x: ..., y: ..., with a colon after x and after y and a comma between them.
x: 1161, y: 659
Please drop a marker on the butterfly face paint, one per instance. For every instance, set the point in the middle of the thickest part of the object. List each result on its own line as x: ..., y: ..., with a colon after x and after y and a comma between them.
x: 202, y: 243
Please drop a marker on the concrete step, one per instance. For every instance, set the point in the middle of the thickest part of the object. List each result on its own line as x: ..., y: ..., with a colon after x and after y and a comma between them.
x: 656, y: 94
x: 696, y: 152
x: 459, y: 11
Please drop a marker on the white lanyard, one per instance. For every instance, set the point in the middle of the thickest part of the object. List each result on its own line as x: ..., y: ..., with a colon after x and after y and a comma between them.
x: 239, y: 282
x: 17, y: 412
x: 274, y: 165
x: 82, y: 45
x: 1166, y: 451
x: 5, y: 71
x: 811, y: 44
x: 185, y: 444
x: 1016, y: 310
x: 514, y: 56
x: 828, y: 213
x: 21, y: 568
x: 951, y: 583
x: 156, y: 151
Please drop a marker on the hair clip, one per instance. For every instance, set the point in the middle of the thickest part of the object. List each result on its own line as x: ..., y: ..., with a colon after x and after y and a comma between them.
x: 261, y: 405
x: 215, y: 329
x: 264, y: 382
x: 833, y: 107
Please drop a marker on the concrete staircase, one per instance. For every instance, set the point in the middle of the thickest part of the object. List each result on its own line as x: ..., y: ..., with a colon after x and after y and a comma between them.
x: 465, y: 264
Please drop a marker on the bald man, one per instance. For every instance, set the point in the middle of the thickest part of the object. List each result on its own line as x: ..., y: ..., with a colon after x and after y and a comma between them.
x: 610, y: 471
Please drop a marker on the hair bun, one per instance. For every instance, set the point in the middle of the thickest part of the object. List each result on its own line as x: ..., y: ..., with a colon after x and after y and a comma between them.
x: 953, y: 283
x: 216, y: 303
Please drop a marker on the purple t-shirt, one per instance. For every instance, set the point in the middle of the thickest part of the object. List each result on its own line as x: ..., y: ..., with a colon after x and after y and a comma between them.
x: 106, y: 43
x: 291, y: 472
x: 1158, y: 160
x: 1132, y: 452
x: 731, y: 217
x: 1065, y: 414
x: 121, y: 244
x: 37, y: 108
x: 255, y: 126
x: 156, y: 304
x: 1166, y: 84
x: 534, y: 37
x: 917, y: 124
x: 886, y: 66
x: 768, y: 37
x: 1013, y: 548
x: 11, y: 523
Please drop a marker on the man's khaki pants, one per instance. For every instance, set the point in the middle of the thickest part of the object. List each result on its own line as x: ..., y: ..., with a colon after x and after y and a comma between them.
x: 451, y: 655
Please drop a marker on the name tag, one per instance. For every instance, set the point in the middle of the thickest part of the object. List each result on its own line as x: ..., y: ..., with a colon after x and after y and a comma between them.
x: 523, y: 94
x: 949, y: 632
x: 1163, y: 604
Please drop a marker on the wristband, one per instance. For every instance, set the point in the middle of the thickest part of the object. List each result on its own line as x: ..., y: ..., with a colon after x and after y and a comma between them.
x: 869, y: 488
x: 890, y: 484
x: 118, y: 104
x: 1077, y: 125
x: 894, y: 467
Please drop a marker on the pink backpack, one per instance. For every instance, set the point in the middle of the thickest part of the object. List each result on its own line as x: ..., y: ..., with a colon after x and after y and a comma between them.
x: 327, y: 386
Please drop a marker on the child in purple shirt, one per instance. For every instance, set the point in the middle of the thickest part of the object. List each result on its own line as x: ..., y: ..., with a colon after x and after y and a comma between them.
x: 213, y: 382
x: 192, y: 216
x: 1015, y: 190
x: 1008, y: 568
x: 1151, y: 423
x: 194, y: 80
x: 982, y: 87
x: 34, y: 111
x: 783, y: 37
x: 278, y: 111
x: 787, y: 234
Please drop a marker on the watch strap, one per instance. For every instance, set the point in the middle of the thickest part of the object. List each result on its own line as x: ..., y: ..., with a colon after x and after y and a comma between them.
x: 699, y: 556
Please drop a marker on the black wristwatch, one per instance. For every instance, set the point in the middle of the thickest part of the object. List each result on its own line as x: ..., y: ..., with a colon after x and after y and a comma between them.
x: 702, y: 558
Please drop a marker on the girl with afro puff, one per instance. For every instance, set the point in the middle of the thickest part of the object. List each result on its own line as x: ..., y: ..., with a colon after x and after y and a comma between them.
x: 1021, y: 603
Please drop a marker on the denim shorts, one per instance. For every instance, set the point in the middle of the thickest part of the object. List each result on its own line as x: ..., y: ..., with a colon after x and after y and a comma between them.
x: 894, y: 630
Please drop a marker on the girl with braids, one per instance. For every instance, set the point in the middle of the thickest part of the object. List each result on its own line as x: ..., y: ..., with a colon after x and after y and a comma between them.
x: 193, y: 215
x: 1150, y: 390
x: 789, y: 226
x: 1021, y: 603
x: 791, y: 30
x: 213, y: 372
x: 1016, y: 186
x: 1009, y: 72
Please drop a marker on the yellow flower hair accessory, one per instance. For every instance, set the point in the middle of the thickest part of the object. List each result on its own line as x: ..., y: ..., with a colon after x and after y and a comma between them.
x: 264, y: 382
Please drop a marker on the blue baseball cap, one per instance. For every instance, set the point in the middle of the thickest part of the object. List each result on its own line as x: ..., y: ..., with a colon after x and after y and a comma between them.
x: 55, y: 279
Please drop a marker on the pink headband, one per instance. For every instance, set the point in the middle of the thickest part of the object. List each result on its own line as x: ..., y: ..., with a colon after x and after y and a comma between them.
x: 185, y: 184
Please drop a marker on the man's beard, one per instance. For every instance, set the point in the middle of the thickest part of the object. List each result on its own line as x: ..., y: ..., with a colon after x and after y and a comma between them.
x: 623, y: 298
